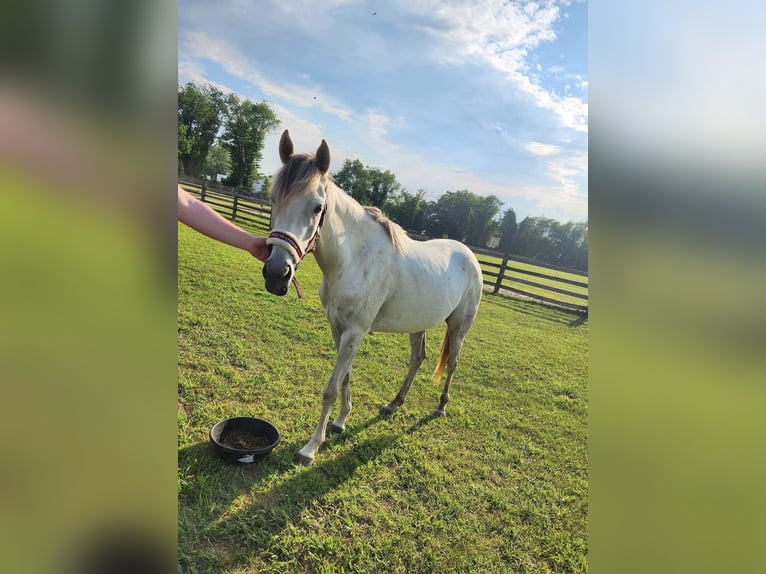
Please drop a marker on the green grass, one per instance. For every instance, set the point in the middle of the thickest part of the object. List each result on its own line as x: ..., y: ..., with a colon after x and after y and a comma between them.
x: 499, y: 485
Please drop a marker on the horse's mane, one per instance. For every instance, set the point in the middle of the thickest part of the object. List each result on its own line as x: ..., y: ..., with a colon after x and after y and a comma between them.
x: 300, y: 171
x: 394, y: 230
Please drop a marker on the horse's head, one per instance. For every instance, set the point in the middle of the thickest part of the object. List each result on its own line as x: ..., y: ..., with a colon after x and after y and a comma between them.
x: 298, y: 206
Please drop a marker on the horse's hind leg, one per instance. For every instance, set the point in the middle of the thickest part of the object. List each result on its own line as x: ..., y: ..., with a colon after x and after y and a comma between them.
x: 458, y: 325
x: 417, y: 354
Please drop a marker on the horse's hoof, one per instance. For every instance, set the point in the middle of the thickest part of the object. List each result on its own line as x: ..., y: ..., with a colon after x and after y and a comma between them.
x: 303, y: 460
x: 387, y: 409
x: 440, y: 413
x: 335, y: 429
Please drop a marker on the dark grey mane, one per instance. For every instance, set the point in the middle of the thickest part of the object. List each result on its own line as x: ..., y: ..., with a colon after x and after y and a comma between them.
x: 299, y: 171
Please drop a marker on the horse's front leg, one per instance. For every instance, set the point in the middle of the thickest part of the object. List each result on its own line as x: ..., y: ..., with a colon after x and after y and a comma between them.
x: 347, y: 348
x: 339, y: 424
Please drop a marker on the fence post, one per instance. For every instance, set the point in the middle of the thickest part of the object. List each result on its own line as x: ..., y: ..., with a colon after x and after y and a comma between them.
x: 500, y: 274
x: 234, y: 207
x: 202, y: 192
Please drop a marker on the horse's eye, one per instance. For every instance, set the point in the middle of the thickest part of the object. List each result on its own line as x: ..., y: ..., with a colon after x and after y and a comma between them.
x: 317, y: 209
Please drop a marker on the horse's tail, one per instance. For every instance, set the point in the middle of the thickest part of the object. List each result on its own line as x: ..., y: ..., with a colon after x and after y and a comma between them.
x: 443, y: 358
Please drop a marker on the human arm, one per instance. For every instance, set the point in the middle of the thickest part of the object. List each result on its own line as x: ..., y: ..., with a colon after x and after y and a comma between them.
x: 204, y: 219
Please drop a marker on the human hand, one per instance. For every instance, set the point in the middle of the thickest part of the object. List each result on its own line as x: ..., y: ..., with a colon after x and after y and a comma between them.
x: 259, y: 249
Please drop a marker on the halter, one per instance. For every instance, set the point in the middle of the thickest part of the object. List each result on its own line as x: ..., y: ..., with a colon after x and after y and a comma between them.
x: 290, y: 242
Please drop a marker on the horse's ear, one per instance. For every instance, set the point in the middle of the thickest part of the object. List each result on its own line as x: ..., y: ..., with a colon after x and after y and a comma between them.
x: 285, y: 146
x: 322, y: 157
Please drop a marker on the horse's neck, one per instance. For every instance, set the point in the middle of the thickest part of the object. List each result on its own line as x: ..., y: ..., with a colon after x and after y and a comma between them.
x: 343, y: 232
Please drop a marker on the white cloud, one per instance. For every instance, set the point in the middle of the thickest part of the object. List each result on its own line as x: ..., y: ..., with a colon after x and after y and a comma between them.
x: 377, y: 122
x: 541, y: 148
x: 565, y: 195
x: 496, y: 127
x: 501, y: 34
x: 194, y: 71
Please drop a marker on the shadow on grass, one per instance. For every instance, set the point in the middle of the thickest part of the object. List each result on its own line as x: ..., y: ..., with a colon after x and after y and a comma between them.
x: 538, y: 310
x: 579, y: 321
x: 241, y: 532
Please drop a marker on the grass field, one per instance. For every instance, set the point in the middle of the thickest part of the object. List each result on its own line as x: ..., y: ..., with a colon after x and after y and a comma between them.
x: 499, y: 485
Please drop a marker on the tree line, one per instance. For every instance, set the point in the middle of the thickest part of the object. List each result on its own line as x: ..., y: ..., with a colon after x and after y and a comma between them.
x: 467, y: 217
x: 222, y: 134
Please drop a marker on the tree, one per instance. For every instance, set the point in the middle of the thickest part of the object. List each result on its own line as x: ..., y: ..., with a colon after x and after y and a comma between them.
x: 508, y: 230
x: 263, y: 186
x: 546, y: 239
x: 216, y: 162
x: 200, y: 112
x: 354, y: 179
x: 570, y: 244
x: 184, y: 141
x: 449, y: 214
x: 368, y: 185
x: 532, y: 238
x: 382, y: 185
x: 245, y: 129
x: 481, y: 220
x: 408, y: 209
x: 464, y: 216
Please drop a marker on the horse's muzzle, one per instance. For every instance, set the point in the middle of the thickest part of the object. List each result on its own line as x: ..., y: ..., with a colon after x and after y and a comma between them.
x: 277, y: 277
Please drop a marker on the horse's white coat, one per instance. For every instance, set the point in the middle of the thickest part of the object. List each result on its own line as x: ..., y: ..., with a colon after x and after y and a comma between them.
x: 368, y: 286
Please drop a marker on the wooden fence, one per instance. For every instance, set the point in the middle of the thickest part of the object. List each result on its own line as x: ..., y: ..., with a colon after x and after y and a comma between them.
x: 504, y: 273
x: 514, y: 274
x: 225, y: 200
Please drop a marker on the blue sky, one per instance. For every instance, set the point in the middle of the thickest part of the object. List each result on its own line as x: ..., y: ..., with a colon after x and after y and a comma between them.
x: 485, y: 95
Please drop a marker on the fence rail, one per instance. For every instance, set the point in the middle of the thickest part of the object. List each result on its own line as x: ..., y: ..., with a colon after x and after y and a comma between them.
x: 502, y: 272
x: 236, y: 206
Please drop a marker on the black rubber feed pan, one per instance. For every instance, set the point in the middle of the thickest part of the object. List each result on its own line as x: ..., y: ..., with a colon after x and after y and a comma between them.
x: 244, y: 440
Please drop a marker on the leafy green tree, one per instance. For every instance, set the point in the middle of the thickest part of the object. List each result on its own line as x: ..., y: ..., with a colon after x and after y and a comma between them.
x: 546, y: 239
x: 481, y: 224
x: 244, y: 132
x: 263, y: 185
x: 383, y: 184
x: 532, y: 237
x: 200, y: 112
x: 184, y: 146
x: 368, y: 185
x: 508, y: 230
x: 184, y: 141
x: 354, y: 179
x: 217, y: 162
x: 408, y: 209
x: 449, y: 211
x: 570, y: 244
x: 464, y: 216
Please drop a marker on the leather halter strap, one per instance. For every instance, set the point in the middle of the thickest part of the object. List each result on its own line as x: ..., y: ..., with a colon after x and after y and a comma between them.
x: 290, y: 242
